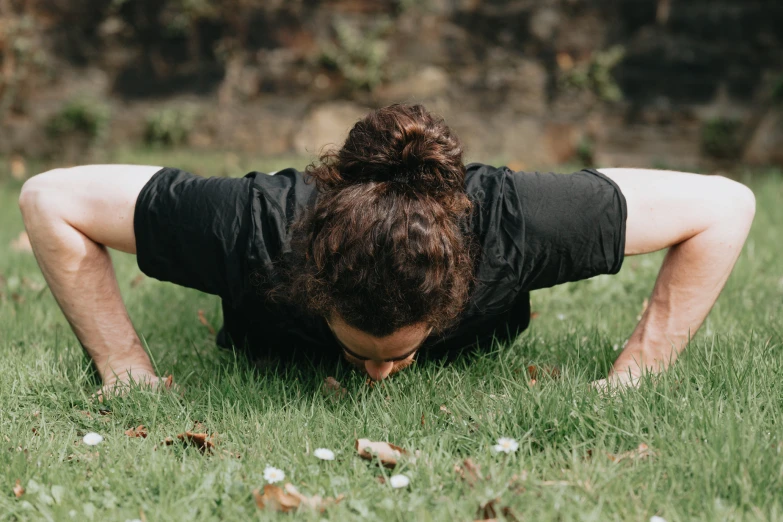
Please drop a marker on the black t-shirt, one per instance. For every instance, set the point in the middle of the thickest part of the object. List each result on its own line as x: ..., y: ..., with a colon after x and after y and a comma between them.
x: 227, y: 236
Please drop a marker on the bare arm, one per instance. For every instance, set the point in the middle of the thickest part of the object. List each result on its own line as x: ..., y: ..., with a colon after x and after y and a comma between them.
x: 704, y: 221
x: 72, y: 216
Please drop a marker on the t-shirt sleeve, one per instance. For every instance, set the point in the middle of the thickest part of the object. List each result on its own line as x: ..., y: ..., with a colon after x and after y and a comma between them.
x: 573, y: 226
x: 195, y: 231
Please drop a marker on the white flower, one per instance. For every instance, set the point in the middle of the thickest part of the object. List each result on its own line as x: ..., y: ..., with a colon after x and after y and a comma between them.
x: 92, y: 439
x: 561, y: 317
x: 506, y: 445
x: 399, y: 481
x: 323, y: 454
x: 656, y: 518
x: 272, y: 474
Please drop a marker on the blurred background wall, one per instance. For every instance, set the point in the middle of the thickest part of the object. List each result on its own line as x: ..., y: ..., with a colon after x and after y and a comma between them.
x: 664, y: 83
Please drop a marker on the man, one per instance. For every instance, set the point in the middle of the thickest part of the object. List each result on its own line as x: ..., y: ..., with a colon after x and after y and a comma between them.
x: 388, y: 247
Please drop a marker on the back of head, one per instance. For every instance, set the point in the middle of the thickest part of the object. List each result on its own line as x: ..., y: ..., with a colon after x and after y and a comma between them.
x: 384, y: 247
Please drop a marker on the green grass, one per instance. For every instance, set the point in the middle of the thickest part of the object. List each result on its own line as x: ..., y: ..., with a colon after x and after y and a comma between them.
x: 713, y: 422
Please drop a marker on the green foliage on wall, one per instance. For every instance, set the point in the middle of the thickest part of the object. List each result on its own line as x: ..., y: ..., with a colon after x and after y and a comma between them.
x: 87, y: 118
x: 169, y: 127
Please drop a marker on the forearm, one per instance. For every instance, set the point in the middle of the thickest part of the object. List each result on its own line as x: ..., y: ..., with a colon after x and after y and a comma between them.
x: 703, y: 221
x: 80, y: 274
x: 689, y: 282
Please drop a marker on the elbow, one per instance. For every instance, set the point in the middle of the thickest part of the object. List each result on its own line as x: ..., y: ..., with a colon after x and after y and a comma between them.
x: 744, y: 203
x: 37, y: 194
x: 739, y: 203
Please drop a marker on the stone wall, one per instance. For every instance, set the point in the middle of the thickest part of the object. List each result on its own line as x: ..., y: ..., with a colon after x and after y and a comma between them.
x: 679, y: 83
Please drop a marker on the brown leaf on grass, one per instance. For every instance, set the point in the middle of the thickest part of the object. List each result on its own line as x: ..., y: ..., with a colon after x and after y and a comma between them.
x: 168, y: 382
x: 535, y: 315
x: 422, y: 420
x: 203, y: 320
x: 445, y: 410
x: 138, y: 431
x: 202, y: 441
x: 469, y: 471
x: 537, y: 372
x: 509, y: 514
x: 18, y: 298
x: 290, y: 499
x: 387, y: 453
x: 640, y: 453
x: 18, y: 489
x: 487, y: 511
x: 22, y: 243
x: 136, y: 281
x: 333, y: 388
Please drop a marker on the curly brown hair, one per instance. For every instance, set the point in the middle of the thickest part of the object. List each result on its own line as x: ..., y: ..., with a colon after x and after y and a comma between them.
x: 386, y: 244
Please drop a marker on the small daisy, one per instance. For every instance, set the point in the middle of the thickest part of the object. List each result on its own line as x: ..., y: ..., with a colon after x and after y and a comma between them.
x: 272, y: 474
x: 505, y: 445
x: 324, y: 454
x: 399, y: 481
x: 92, y: 439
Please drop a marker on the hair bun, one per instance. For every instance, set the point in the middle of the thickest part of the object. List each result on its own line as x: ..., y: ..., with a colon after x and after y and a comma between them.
x: 403, y: 146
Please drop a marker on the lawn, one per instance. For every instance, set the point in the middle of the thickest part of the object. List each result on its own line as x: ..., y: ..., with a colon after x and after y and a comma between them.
x: 712, y: 426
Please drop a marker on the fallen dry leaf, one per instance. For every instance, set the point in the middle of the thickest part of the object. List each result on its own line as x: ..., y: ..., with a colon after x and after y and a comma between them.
x: 469, y: 471
x: 290, y: 498
x: 387, y: 454
x: 640, y: 453
x: 137, y: 280
x: 202, y: 441
x: 203, y: 320
x: 22, y: 243
x: 422, y: 420
x: 509, y: 514
x: 445, y: 410
x: 333, y: 388
x: 168, y: 382
x: 487, y: 510
x: 535, y: 315
x: 18, y: 489
x: 138, y: 431
x: 537, y: 372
